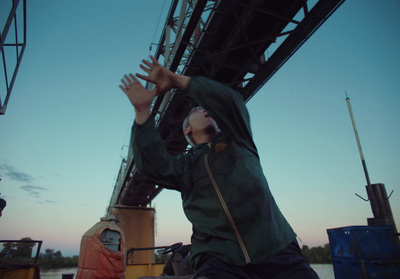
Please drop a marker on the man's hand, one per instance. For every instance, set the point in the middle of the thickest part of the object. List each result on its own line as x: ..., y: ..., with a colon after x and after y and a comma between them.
x: 163, y: 78
x: 140, y: 98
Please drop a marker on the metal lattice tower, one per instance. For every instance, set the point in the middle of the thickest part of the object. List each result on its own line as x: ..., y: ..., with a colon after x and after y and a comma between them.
x: 12, y: 47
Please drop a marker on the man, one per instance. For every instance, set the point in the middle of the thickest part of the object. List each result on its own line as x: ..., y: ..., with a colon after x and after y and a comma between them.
x: 238, y: 230
x: 3, y: 204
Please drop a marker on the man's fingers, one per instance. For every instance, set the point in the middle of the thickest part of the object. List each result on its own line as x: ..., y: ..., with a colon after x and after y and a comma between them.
x: 124, y: 83
x: 128, y: 80
x: 148, y: 64
x: 155, y: 62
x: 147, y: 70
x: 142, y: 77
x: 123, y: 88
x: 149, y: 67
x: 135, y: 81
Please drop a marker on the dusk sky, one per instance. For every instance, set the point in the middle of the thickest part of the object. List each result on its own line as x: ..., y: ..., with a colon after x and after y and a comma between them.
x: 67, y: 124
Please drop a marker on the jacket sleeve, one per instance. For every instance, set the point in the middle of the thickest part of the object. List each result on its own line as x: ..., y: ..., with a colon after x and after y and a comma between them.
x: 152, y: 159
x: 226, y: 107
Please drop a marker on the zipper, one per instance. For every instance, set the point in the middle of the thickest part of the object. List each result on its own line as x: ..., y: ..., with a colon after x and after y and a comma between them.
x: 225, y: 207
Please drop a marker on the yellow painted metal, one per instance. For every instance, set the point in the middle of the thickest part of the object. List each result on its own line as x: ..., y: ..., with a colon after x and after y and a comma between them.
x: 137, y: 224
x: 19, y: 273
x: 135, y: 271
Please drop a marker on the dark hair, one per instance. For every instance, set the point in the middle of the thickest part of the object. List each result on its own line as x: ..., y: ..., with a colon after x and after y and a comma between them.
x: 3, y: 203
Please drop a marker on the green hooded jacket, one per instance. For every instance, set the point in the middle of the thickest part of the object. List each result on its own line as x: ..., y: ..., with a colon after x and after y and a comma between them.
x: 259, y: 229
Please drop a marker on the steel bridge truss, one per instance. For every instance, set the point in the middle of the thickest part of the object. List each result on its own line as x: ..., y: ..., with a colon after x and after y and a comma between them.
x: 241, y: 43
x: 12, y: 47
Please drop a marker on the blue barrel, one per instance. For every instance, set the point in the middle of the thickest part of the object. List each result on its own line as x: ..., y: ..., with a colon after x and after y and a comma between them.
x: 364, y: 252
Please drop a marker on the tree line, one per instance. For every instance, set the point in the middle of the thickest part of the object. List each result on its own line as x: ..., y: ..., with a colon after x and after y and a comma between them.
x: 50, y: 259
x: 317, y: 255
x: 25, y: 251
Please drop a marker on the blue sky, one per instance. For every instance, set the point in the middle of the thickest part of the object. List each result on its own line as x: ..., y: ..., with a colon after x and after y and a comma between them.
x: 67, y: 125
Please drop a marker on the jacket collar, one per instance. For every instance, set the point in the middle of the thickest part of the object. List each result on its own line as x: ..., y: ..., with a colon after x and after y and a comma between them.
x: 205, y: 144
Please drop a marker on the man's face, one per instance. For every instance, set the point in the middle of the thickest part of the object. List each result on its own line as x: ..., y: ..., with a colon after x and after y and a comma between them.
x: 201, y: 120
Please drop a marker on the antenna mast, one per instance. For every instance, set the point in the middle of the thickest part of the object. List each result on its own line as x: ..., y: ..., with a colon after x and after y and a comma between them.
x: 358, y: 140
x: 376, y: 192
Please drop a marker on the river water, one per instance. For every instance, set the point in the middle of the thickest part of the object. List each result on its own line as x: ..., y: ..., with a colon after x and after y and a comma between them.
x: 325, y: 271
